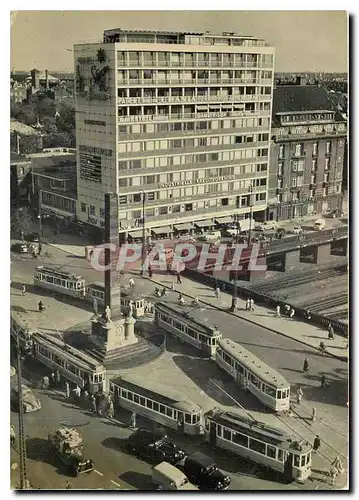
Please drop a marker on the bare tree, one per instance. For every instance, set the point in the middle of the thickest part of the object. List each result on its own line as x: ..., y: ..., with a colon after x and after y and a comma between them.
x: 21, y: 220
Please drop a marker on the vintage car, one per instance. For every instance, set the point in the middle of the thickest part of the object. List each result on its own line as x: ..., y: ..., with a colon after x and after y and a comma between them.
x: 29, y: 401
x: 154, y: 446
x: 203, y: 472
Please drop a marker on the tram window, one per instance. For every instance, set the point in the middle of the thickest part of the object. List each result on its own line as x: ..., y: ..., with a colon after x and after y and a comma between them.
x: 191, y: 333
x: 149, y: 404
x: 124, y: 393
x: 279, y: 394
x: 296, y: 461
x: 302, y: 461
x: 227, y: 434
x: 196, y: 418
x: 100, y: 377
x: 130, y: 396
x: 155, y: 406
x: 169, y: 412
x: 271, y: 392
x: 257, y: 446
x: 163, y: 409
x: 64, y: 283
x: 136, y: 398
x: 187, y: 418
x: 240, y: 439
x: 142, y: 401
x: 70, y: 285
x: 227, y: 358
x: 95, y: 378
x: 239, y: 368
x: 213, y: 341
x: 271, y: 451
x: 49, y: 279
x: 56, y: 359
x: 254, y: 380
x: 308, y: 458
x: 71, y: 367
x: 280, y: 455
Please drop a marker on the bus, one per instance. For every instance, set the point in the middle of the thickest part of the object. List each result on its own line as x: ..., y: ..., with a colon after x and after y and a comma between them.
x: 188, y: 323
x: 59, y: 281
x: 259, y: 442
x: 266, y: 384
x: 157, y: 402
x: 73, y: 365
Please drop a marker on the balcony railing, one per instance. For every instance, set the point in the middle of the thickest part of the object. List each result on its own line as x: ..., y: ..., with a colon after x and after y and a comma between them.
x: 193, y: 81
x: 189, y: 99
x: 186, y: 116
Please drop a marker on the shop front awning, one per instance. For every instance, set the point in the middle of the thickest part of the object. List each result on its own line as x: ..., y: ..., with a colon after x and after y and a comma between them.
x: 204, y: 223
x: 224, y: 220
x: 162, y: 230
x: 183, y: 227
x: 136, y: 234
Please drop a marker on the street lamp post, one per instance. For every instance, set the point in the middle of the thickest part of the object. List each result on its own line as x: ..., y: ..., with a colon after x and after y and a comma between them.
x: 234, y: 296
x: 143, y: 256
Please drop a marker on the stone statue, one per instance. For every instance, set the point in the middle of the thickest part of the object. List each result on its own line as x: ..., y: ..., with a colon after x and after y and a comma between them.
x: 130, y: 308
x: 108, y: 313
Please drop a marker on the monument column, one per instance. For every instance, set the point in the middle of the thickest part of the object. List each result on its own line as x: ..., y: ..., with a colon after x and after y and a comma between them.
x: 112, y: 275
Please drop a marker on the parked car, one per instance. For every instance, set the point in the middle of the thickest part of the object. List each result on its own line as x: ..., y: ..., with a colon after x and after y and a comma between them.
x: 319, y: 225
x: 154, y: 446
x: 168, y: 478
x: 297, y: 230
x: 335, y: 213
x: 266, y: 225
x: 212, y: 236
x: 29, y: 401
x: 19, y: 248
x: 203, y: 471
x: 32, y: 237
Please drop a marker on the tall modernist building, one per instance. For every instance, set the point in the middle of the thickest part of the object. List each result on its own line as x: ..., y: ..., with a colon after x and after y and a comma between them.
x: 182, y: 119
x: 307, y: 153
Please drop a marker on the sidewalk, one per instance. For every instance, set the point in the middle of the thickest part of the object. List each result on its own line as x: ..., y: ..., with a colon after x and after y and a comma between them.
x: 300, y: 331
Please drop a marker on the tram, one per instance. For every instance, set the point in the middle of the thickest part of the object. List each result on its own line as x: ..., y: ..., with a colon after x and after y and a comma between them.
x: 58, y: 281
x: 266, y: 384
x: 74, y: 365
x: 188, y: 323
x: 157, y: 402
x: 97, y: 291
x: 271, y: 447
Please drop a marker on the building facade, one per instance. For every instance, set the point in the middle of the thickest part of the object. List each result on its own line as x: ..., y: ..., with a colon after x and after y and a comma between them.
x: 182, y: 119
x: 307, y: 153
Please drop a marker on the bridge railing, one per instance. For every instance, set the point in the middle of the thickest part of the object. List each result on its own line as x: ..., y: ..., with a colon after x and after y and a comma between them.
x: 267, y: 300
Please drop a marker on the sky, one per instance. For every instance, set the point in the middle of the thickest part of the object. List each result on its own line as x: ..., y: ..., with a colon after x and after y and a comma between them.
x: 304, y: 40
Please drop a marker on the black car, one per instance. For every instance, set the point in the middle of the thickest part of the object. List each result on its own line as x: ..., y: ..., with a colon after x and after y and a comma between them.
x: 32, y: 237
x: 202, y: 471
x: 154, y: 446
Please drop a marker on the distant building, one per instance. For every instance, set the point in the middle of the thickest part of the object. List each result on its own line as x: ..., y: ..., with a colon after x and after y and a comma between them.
x: 24, y: 139
x: 54, y: 181
x: 20, y: 179
x: 18, y: 91
x: 307, y: 153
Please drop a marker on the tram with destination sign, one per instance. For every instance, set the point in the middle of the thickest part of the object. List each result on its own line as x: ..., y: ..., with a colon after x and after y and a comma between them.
x: 157, y: 402
x: 188, y: 323
x: 59, y: 281
x: 72, y: 364
x: 259, y: 442
x: 265, y: 383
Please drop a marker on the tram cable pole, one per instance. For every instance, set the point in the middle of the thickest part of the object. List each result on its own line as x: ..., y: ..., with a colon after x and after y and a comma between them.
x: 22, y: 442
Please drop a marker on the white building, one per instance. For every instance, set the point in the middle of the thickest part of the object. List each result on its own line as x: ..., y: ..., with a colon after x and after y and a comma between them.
x: 182, y: 117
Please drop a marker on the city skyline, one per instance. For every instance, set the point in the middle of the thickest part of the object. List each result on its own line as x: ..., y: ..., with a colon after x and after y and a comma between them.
x: 317, y: 41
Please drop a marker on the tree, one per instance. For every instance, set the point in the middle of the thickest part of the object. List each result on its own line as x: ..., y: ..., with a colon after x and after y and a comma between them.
x: 21, y: 220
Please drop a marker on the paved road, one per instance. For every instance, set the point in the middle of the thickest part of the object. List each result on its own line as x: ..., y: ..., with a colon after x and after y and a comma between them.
x: 283, y: 354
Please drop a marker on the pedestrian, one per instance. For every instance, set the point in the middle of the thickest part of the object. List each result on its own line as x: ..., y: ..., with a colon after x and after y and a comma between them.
x: 299, y: 395
x: 179, y: 280
x: 316, y: 443
x: 111, y: 410
x: 93, y: 404
x: 323, y: 381
x: 163, y: 291
x: 41, y: 306
x: 53, y: 379
x: 314, y: 414
x: 251, y: 304
x: 45, y: 382
x: 195, y: 301
x: 131, y: 282
x: 306, y: 365
x: 291, y: 314
x: 91, y: 254
x: 58, y: 377
x: 67, y: 389
x: 287, y: 309
x: 223, y: 287
x: 277, y: 314
x: 308, y: 316
x: 78, y: 391
x: 23, y: 292
x: 248, y: 305
x: 173, y: 286
x: 330, y: 332
x: 95, y: 306
x: 181, y: 299
x: 150, y: 272
x: 68, y: 485
x: 133, y: 421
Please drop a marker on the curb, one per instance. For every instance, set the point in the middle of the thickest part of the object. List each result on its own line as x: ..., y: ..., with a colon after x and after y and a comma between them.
x: 340, y: 358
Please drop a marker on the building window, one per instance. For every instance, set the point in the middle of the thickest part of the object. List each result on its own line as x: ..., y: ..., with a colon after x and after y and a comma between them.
x: 314, y: 164
x: 294, y: 181
x: 327, y: 163
x: 137, y: 197
x: 102, y: 213
x: 326, y: 177
x: 92, y: 210
x: 83, y: 207
x: 280, y: 183
x: 122, y: 182
x: 315, y: 149
x: 325, y: 191
x: 281, y: 151
x: 328, y: 147
x: 298, y: 150
x: 313, y: 179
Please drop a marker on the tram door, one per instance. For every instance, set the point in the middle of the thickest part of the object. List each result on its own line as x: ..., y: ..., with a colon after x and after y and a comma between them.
x: 212, y: 433
x: 180, y: 422
x: 288, y: 470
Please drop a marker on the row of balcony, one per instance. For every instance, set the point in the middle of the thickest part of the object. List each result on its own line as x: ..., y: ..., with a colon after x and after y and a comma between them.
x: 199, y: 116
x: 199, y: 98
x: 205, y: 65
x: 192, y: 81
